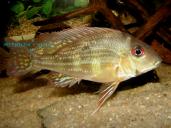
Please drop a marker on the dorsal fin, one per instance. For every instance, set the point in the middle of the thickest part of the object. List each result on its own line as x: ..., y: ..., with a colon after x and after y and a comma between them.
x: 56, y: 40
x: 71, y: 35
x: 83, y: 32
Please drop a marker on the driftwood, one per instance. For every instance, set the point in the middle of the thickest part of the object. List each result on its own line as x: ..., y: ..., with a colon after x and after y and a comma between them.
x: 139, y: 7
x: 165, y: 35
x: 153, y: 21
x: 93, y: 7
x: 162, y: 51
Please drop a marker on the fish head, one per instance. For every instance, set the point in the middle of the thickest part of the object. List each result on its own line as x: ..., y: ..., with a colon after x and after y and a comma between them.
x: 143, y: 57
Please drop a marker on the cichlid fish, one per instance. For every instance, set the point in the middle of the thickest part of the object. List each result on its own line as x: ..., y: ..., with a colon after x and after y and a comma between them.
x: 87, y: 53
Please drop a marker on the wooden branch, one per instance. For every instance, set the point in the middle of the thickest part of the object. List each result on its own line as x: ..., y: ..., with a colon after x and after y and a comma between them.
x: 94, y: 6
x: 140, y: 8
x: 115, y: 22
x: 159, y: 16
x: 52, y: 27
x: 162, y: 51
x: 67, y: 16
x: 165, y: 35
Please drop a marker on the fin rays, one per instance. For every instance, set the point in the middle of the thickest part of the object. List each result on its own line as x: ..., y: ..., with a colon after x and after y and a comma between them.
x: 105, y: 94
x: 61, y: 80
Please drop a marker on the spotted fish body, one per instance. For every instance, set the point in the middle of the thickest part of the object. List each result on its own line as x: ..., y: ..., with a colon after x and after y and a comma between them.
x: 87, y: 53
x: 90, y: 53
x: 96, y: 54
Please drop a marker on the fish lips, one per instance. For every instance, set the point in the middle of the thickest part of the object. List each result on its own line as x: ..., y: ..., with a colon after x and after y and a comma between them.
x: 156, y: 64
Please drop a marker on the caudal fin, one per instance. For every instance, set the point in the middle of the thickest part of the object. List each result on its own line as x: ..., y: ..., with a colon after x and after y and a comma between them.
x: 17, y: 62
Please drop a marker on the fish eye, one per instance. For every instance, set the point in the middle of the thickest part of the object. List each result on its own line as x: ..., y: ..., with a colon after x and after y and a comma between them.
x: 137, y: 51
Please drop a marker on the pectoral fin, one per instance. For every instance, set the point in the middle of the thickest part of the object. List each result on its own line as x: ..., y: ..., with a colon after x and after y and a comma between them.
x: 61, y: 80
x: 105, y: 93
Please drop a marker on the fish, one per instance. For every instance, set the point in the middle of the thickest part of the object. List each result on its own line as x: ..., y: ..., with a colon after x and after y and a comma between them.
x: 103, y: 55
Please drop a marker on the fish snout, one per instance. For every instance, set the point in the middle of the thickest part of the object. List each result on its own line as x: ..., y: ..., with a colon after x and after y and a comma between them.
x: 158, y: 62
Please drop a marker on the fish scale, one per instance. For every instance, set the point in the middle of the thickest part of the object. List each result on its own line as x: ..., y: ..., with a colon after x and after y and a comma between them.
x: 77, y: 60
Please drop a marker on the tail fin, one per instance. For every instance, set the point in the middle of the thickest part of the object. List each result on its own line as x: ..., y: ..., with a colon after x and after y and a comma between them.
x: 17, y: 62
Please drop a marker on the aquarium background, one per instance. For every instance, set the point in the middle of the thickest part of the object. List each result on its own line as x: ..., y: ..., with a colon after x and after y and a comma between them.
x: 31, y: 102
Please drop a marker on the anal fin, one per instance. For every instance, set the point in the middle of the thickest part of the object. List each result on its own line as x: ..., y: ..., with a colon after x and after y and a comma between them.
x: 105, y: 94
x: 61, y: 80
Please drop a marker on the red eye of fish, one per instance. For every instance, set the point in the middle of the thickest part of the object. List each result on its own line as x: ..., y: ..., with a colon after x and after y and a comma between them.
x: 137, y: 51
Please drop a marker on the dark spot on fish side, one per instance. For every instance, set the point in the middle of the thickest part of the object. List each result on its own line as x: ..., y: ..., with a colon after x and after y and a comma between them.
x: 85, y: 48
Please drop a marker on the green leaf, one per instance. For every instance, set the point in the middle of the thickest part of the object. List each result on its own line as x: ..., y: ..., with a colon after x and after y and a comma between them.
x: 47, y: 7
x: 18, y: 7
x: 32, y: 12
x: 21, y: 14
x: 36, y: 1
x: 81, y: 3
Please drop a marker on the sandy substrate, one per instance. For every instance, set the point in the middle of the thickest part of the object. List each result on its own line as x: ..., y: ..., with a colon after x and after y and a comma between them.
x: 38, y: 105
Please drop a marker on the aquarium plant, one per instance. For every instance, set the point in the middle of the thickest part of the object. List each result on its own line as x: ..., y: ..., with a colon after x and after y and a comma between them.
x: 45, y: 8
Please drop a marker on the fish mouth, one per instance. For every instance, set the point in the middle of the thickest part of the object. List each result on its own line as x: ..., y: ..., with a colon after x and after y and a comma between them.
x: 156, y: 64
